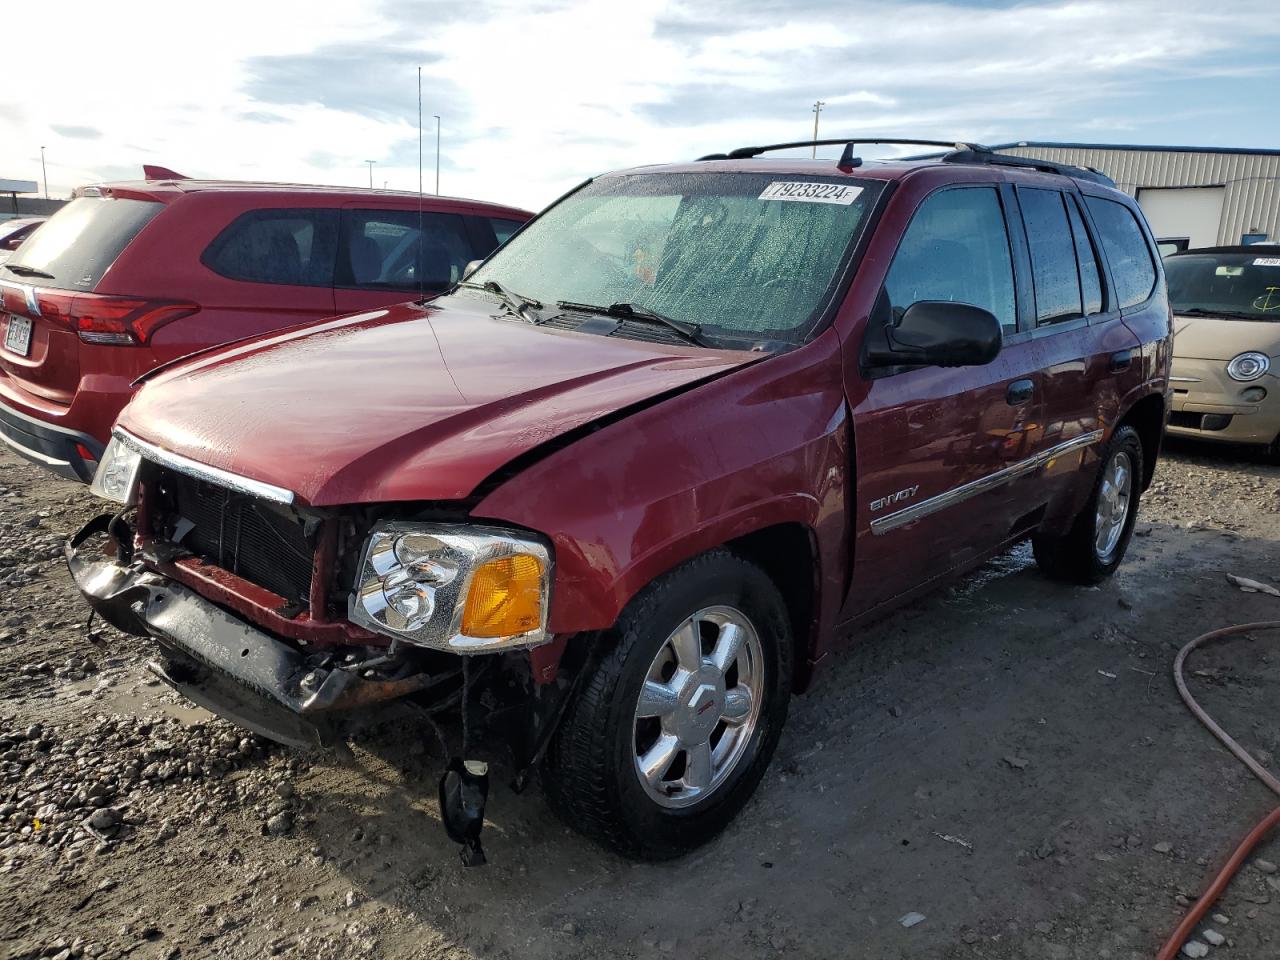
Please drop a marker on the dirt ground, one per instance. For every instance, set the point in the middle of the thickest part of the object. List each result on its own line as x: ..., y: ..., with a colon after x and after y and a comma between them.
x: 1008, y: 758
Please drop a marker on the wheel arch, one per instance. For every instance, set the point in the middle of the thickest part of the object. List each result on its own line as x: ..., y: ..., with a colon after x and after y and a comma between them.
x: 1147, y: 417
x: 788, y: 554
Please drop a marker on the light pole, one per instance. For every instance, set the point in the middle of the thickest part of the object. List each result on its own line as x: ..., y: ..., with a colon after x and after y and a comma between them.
x: 817, y: 111
x: 371, y: 163
x: 44, y: 174
x: 437, y: 116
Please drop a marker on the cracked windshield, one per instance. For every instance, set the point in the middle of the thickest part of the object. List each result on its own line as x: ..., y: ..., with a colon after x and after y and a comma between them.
x: 743, y: 256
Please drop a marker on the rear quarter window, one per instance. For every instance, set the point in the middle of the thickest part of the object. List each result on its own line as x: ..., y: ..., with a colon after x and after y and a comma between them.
x: 293, y: 246
x: 79, y: 243
x: 1125, y: 244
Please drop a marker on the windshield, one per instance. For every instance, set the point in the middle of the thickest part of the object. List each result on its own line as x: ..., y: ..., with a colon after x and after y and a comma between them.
x: 742, y: 256
x: 1240, y: 285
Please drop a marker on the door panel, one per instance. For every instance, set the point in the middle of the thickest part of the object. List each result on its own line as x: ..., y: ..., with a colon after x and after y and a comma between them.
x: 940, y: 452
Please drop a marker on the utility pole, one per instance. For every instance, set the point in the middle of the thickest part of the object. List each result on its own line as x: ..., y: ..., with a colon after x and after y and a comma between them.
x: 817, y: 111
x: 371, y: 163
x: 437, y: 116
x: 44, y: 174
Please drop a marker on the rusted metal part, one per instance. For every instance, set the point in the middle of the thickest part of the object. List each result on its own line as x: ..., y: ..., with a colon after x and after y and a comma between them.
x: 544, y: 661
x: 261, y: 606
x: 321, y: 568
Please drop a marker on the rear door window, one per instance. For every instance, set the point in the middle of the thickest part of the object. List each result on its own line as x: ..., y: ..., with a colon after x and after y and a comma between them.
x: 79, y: 243
x: 403, y: 250
x: 293, y: 246
x: 503, y: 229
x: 956, y: 248
x: 1087, y: 259
x: 1053, y: 255
x: 1125, y: 244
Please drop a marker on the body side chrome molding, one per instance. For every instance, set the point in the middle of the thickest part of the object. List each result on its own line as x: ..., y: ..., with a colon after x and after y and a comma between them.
x: 950, y: 498
x: 192, y: 468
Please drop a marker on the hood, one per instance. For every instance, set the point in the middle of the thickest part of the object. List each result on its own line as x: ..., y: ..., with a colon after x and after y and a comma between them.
x: 412, y: 402
x: 1204, y: 338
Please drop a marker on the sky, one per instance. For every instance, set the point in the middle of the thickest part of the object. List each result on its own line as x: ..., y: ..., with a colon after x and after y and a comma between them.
x: 536, y: 96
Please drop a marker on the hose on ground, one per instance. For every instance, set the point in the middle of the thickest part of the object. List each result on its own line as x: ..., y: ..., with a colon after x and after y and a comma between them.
x: 1258, y: 833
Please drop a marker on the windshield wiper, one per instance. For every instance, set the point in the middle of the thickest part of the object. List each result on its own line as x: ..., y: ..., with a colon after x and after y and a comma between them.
x: 1228, y: 314
x: 515, y: 302
x: 691, y: 332
x: 22, y: 271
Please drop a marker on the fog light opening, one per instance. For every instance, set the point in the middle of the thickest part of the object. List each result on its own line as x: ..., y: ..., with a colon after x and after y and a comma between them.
x: 1254, y: 394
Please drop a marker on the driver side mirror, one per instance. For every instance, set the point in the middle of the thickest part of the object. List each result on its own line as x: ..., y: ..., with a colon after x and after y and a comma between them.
x: 471, y: 268
x: 940, y: 333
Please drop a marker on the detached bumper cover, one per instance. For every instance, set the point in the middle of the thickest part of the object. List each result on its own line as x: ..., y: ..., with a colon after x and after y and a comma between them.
x: 218, y: 660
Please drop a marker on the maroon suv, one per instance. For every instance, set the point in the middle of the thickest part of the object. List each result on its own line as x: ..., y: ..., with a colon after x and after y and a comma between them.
x: 619, y: 492
x: 131, y: 275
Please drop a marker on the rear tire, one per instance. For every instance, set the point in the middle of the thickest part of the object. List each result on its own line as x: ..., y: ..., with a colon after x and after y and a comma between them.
x: 1093, y: 548
x: 679, y: 713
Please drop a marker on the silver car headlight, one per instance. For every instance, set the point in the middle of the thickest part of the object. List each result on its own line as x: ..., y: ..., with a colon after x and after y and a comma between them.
x: 117, y: 475
x: 460, y: 588
x: 1248, y: 366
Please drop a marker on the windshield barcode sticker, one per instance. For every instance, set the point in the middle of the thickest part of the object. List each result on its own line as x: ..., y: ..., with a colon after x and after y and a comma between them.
x: 809, y: 192
x: 1267, y: 262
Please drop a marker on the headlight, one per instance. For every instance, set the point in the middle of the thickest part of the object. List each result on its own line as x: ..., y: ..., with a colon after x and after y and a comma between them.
x: 466, y: 589
x: 1248, y: 366
x: 117, y: 475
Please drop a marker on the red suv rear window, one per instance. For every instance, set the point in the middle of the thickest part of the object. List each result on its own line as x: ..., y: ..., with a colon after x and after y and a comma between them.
x: 80, y: 242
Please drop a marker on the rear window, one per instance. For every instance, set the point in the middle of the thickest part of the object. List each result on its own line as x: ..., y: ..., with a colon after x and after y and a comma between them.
x: 79, y: 243
x: 286, y: 246
x: 1125, y: 245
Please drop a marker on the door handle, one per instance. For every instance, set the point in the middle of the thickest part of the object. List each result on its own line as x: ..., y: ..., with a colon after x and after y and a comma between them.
x: 1020, y: 391
x: 1120, y: 360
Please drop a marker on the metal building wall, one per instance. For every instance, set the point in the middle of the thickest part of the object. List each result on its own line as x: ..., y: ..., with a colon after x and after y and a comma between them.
x: 1252, y: 181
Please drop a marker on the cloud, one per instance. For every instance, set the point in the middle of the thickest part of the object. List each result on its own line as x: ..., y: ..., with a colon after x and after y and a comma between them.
x: 536, y: 95
x: 75, y: 131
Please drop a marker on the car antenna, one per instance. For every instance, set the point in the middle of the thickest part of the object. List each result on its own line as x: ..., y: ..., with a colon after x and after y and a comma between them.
x: 421, y: 240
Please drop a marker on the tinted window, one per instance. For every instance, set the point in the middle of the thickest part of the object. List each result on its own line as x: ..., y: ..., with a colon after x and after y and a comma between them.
x: 503, y: 229
x: 386, y: 250
x: 1125, y: 244
x: 956, y: 248
x: 294, y: 246
x: 1053, y: 255
x: 1090, y: 272
x: 77, y: 245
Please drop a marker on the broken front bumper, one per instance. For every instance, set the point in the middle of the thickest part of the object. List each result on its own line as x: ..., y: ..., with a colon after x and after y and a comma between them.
x: 220, y: 662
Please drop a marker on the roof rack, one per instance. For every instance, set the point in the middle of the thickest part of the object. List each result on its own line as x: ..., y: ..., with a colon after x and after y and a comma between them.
x: 971, y: 154
x: 847, y: 159
x: 960, y: 152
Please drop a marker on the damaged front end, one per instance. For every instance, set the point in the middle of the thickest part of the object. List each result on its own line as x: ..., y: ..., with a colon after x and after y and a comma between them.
x: 298, y: 624
x: 224, y: 664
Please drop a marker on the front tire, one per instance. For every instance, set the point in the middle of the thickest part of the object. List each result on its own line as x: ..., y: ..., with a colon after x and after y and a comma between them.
x: 679, y: 715
x: 1098, y: 539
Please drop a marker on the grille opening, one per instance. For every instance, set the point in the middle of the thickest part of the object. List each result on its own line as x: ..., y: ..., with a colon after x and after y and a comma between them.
x: 244, y: 535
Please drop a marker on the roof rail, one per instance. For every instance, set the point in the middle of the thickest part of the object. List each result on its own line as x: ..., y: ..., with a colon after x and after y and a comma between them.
x: 847, y: 159
x: 970, y: 154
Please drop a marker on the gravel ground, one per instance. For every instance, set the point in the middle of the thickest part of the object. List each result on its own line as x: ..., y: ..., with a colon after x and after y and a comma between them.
x: 1006, y: 764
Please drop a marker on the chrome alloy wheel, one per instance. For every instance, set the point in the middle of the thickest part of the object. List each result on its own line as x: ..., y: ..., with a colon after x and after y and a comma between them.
x: 1114, y: 497
x: 699, y: 707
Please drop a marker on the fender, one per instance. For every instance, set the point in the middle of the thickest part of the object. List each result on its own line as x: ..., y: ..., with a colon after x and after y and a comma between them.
x: 763, y: 445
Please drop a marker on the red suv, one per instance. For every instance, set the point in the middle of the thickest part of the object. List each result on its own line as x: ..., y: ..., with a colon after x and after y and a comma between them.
x: 620, y: 491
x: 131, y: 275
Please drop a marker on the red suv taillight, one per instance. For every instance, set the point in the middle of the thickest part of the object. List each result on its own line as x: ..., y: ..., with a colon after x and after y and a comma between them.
x: 99, y: 318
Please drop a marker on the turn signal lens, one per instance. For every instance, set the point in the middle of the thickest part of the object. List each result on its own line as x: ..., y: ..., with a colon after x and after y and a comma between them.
x: 505, y: 599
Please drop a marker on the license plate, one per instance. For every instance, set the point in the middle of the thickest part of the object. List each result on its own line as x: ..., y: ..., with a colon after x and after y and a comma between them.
x: 17, y: 335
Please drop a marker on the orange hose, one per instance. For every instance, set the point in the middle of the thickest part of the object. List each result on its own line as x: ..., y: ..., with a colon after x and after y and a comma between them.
x: 1256, y: 835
